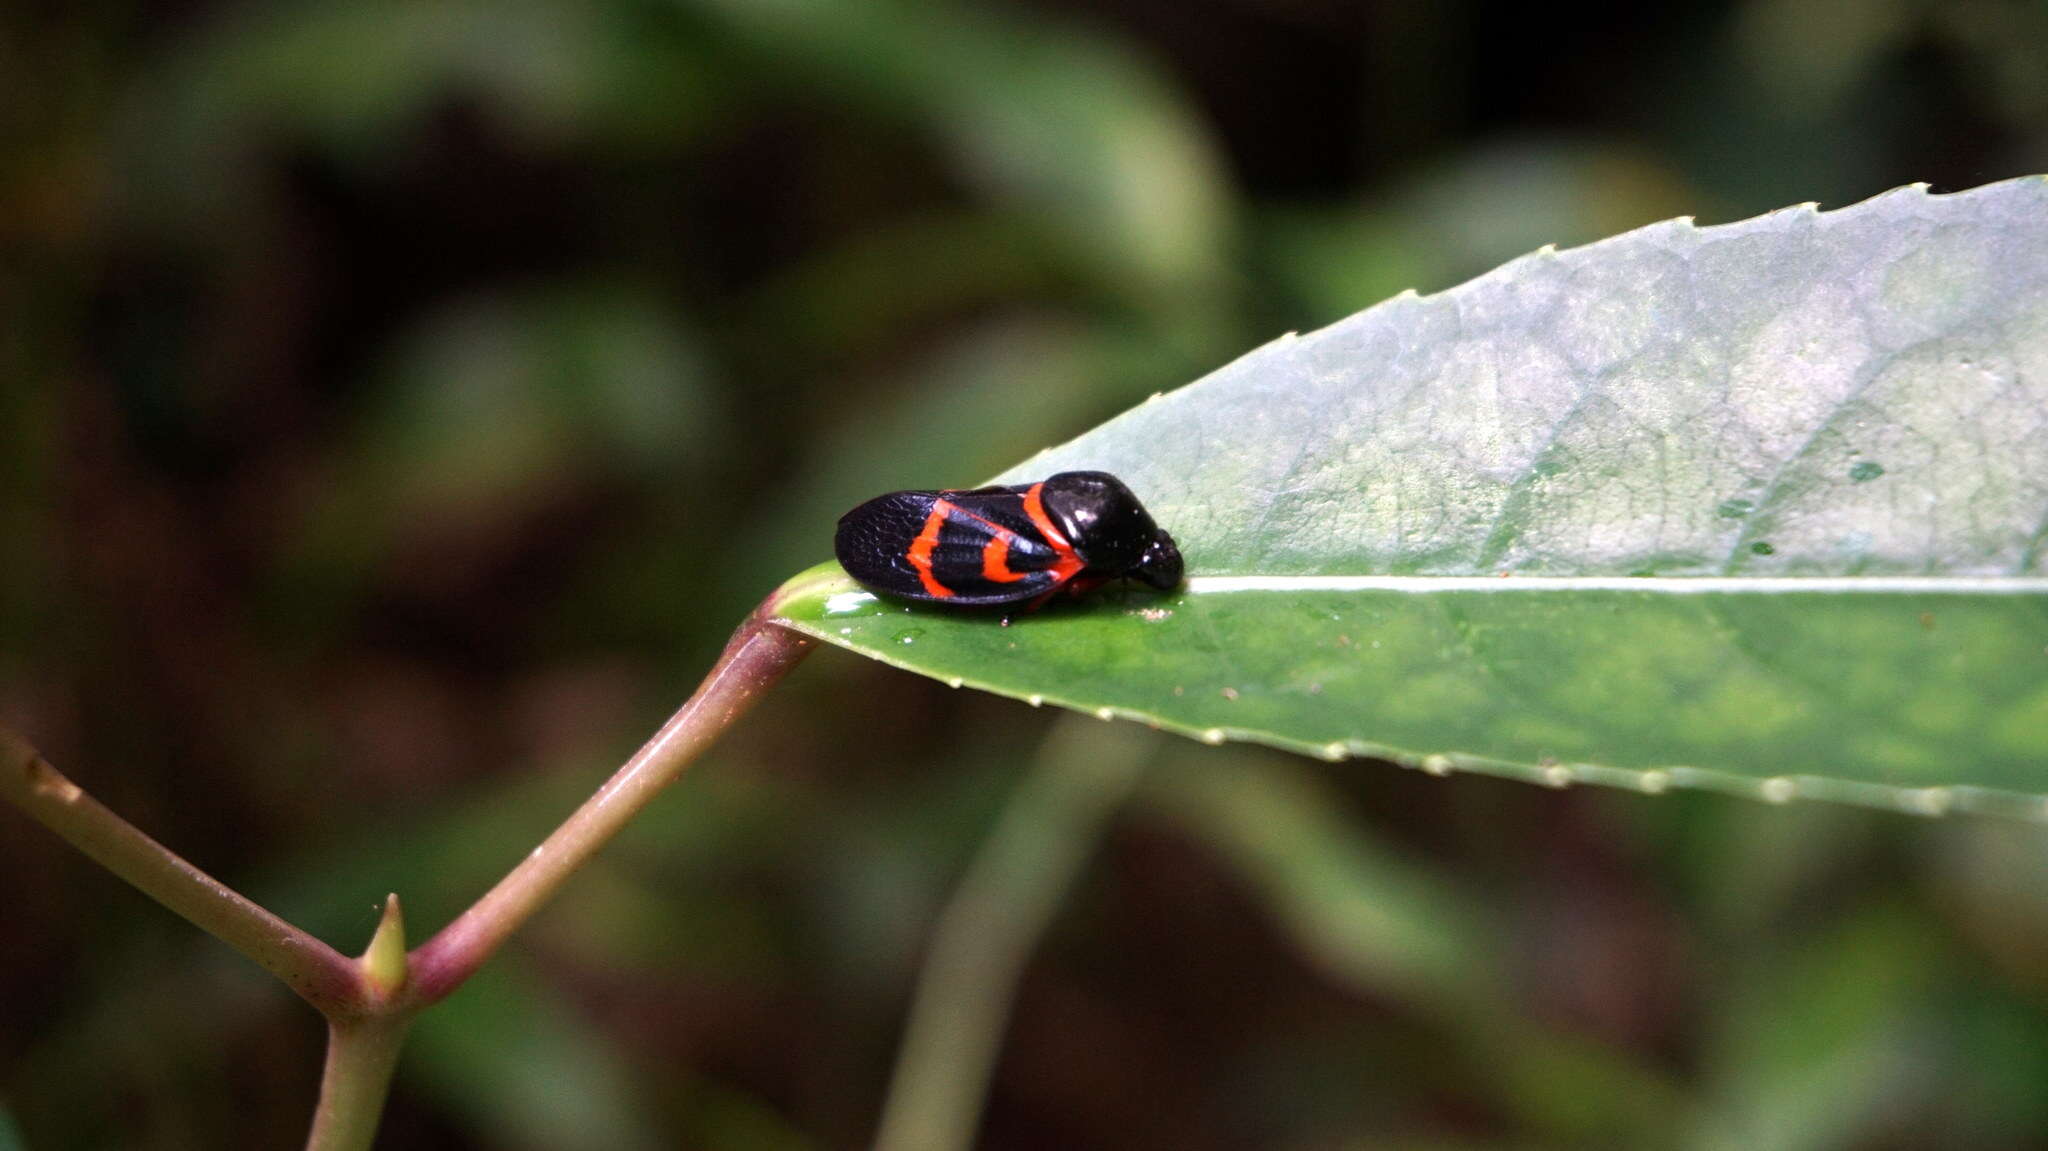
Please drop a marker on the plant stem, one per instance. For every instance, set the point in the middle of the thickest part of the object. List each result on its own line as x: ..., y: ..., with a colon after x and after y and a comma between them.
x: 986, y: 932
x: 321, y: 975
x: 760, y: 653
x: 361, y: 1055
x: 370, y: 1003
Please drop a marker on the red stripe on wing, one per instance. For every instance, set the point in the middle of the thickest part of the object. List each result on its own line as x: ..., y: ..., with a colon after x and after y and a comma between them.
x: 920, y: 553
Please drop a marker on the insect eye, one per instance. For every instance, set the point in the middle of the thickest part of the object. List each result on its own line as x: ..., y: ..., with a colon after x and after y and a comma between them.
x: 1160, y: 566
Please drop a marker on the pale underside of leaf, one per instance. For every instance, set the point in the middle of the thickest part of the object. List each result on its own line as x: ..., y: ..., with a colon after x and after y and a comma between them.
x: 1860, y: 392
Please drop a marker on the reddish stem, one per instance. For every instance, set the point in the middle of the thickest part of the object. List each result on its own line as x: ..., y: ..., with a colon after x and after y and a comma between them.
x: 760, y: 653
x: 321, y: 975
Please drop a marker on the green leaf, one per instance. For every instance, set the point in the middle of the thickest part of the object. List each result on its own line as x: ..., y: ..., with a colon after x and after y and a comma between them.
x: 1758, y: 507
x: 1821, y: 1045
x: 1392, y: 926
x: 1061, y: 121
x: 516, y: 1060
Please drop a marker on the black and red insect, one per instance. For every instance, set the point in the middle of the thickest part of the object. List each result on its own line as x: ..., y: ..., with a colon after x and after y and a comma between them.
x: 990, y: 547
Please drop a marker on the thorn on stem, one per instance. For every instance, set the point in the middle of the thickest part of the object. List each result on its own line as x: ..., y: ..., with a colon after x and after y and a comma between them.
x: 384, y: 961
x: 48, y: 782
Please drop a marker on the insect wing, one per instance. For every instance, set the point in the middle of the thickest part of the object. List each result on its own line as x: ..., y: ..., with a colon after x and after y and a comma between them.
x: 990, y: 549
x: 873, y: 542
x: 965, y: 548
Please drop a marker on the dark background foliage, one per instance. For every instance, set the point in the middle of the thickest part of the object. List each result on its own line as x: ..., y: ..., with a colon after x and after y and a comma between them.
x: 401, y: 400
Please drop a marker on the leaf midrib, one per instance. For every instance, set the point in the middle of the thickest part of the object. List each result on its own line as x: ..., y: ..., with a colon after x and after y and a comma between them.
x: 1653, y: 585
x: 1663, y: 585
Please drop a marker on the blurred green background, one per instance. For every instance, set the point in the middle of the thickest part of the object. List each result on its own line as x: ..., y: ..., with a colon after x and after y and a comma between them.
x: 400, y: 401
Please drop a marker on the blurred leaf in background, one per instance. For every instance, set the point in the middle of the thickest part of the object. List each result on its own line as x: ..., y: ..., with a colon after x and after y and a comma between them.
x: 403, y: 400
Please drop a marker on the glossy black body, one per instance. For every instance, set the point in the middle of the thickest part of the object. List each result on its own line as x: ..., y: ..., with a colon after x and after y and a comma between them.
x: 1001, y: 546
